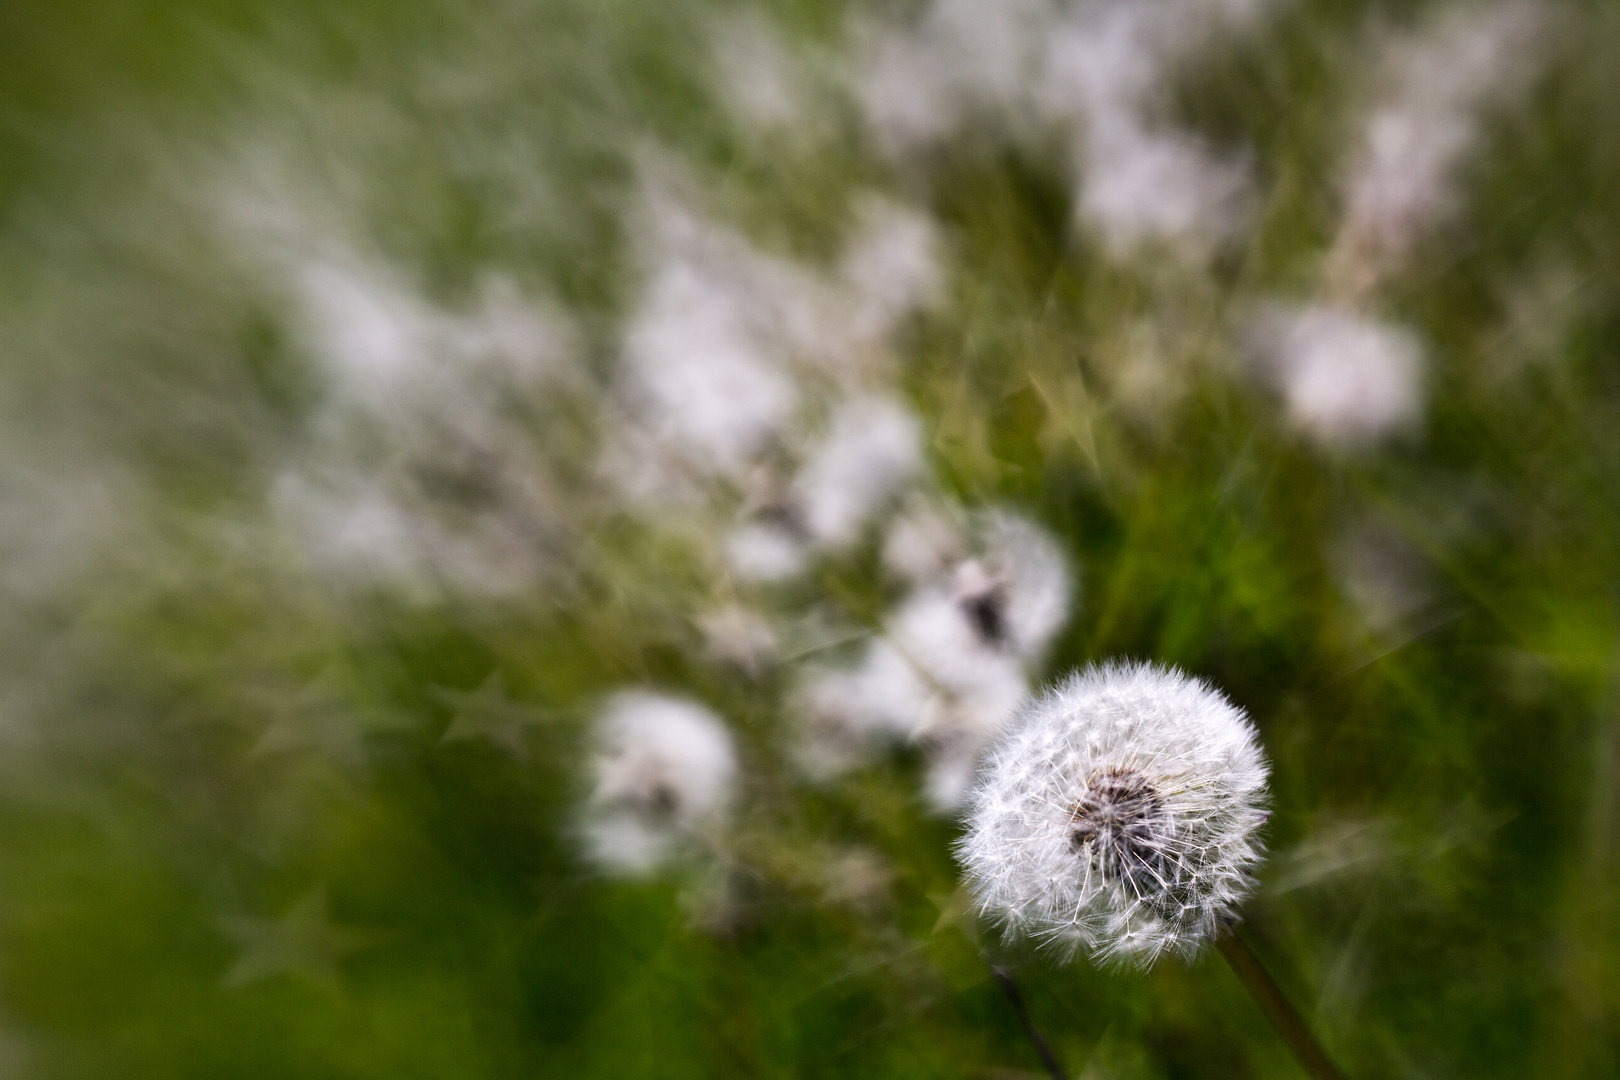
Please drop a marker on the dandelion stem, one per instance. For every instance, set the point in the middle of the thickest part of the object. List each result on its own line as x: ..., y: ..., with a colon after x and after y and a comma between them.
x: 1015, y: 997
x: 1283, y: 1016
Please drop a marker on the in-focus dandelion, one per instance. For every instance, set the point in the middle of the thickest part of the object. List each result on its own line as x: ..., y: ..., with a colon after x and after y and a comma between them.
x: 1119, y: 815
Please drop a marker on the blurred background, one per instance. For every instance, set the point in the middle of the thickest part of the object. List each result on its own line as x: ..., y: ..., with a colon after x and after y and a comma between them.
x: 518, y: 519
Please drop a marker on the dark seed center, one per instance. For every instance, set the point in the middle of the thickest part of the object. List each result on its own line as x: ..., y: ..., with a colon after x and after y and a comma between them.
x: 1121, y: 822
x: 987, y: 612
x: 662, y: 802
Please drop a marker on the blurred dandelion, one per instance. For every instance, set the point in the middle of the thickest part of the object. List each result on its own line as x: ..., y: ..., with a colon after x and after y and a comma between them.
x: 989, y: 590
x: 1440, y: 78
x: 664, y: 774
x: 1346, y: 380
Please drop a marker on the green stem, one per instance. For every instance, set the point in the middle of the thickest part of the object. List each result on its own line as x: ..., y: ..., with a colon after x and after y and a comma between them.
x: 1269, y: 996
x: 1015, y: 997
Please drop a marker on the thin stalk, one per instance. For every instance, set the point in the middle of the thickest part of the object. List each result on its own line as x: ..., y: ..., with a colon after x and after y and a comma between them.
x: 1015, y: 997
x: 1269, y: 996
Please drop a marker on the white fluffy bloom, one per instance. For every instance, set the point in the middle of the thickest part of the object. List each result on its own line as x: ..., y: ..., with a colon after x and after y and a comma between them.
x: 1143, y: 188
x: 1019, y: 589
x: 758, y: 79
x: 1101, y: 64
x: 705, y: 381
x: 931, y: 680
x: 1347, y: 380
x: 891, y: 267
x: 664, y: 772
x: 1108, y: 58
x: 726, y: 340
x: 371, y: 335
x: 975, y: 687
x: 950, y: 668
x: 762, y: 551
x: 871, y: 450
x: 415, y: 472
x: 1119, y: 815
x: 700, y: 375
x: 1009, y: 578
x: 1441, y: 75
x: 903, y: 91
x: 918, y: 86
x: 846, y: 714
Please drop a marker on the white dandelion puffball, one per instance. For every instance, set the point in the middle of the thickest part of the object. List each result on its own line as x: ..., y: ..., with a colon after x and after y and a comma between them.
x: 1118, y: 814
x: 1347, y: 380
x: 664, y: 769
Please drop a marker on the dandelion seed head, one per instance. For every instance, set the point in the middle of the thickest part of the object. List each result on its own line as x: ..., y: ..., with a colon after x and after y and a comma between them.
x: 664, y: 772
x: 973, y: 684
x: 770, y: 545
x: 903, y: 92
x: 1008, y: 579
x: 917, y: 86
x: 756, y: 75
x: 1143, y: 188
x: 1347, y: 380
x: 950, y: 668
x: 1101, y: 64
x: 698, y: 373
x: 1020, y: 585
x: 891, y: 266
x: 370, y: 334
x: 1118, y: 815
x: 1442, y: 76
x: 845, y: 715
x: 872, y: 448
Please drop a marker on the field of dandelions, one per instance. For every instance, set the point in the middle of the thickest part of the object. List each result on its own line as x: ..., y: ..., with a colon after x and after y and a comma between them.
x: 530, y: 530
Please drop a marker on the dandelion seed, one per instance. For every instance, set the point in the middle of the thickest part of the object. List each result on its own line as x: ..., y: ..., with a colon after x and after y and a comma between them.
x: 665, y: 770
x: 1119, y: 815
